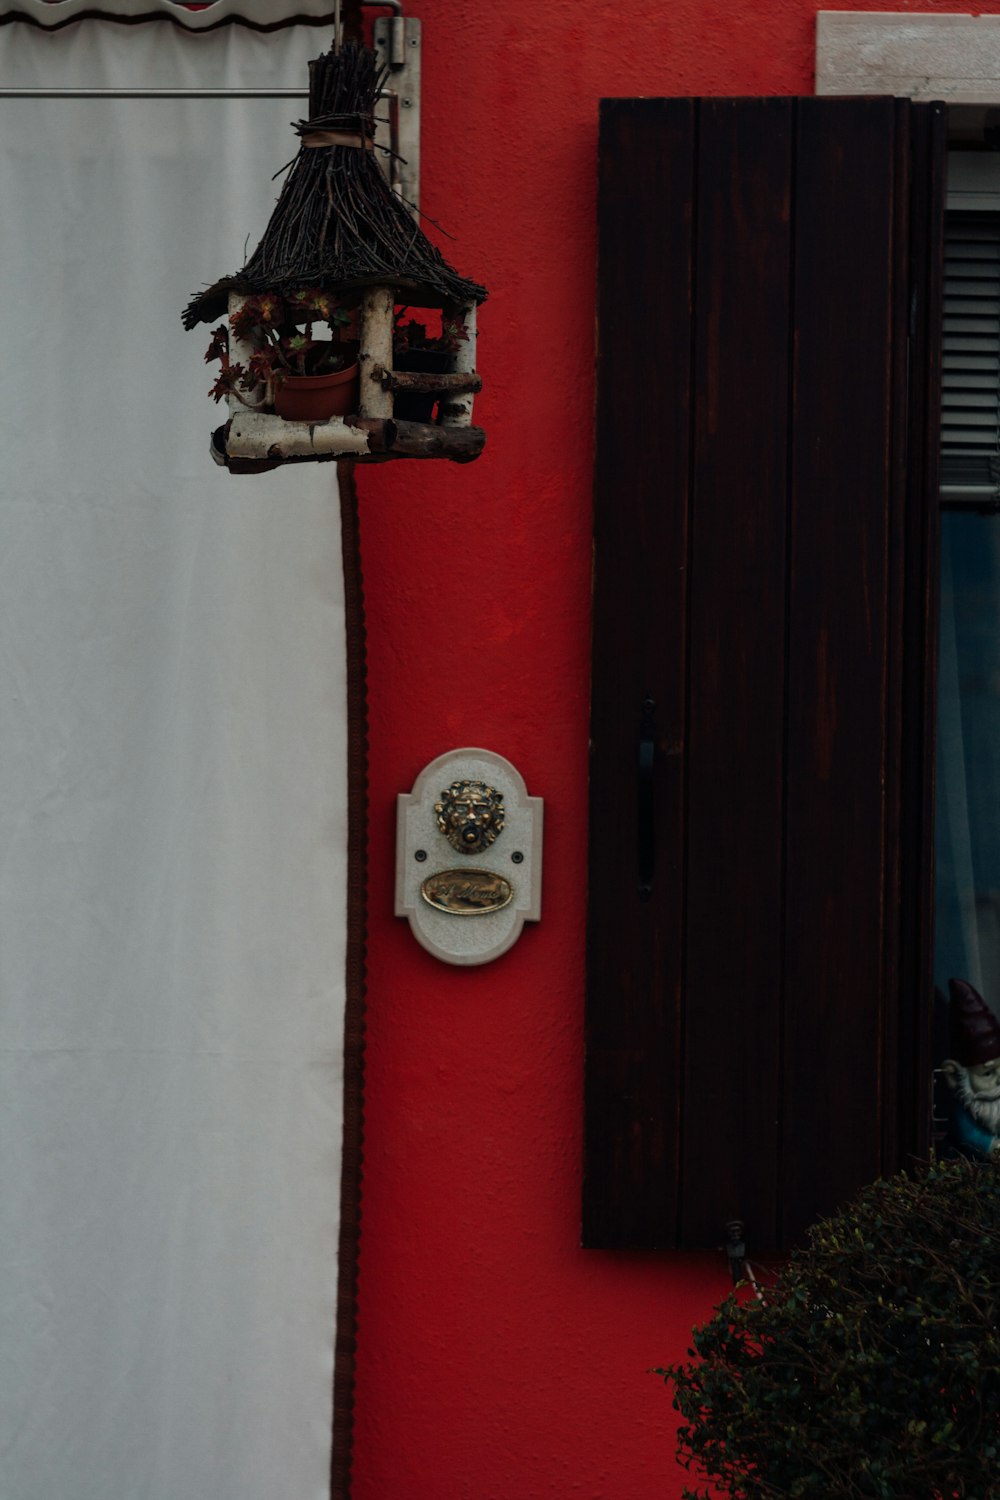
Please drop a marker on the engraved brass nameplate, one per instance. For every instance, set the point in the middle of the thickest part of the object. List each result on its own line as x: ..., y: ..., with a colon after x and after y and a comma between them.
x: 467, y: 893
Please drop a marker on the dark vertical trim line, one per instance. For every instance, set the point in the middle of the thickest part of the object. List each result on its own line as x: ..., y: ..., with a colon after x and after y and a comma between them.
x: 681, y: 1014
x: 354, y: 1022
x: 895, y: 645
x: 790, y: 456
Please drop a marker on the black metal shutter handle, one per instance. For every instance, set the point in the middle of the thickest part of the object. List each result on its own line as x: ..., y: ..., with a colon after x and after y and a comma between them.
x: 646, y: 799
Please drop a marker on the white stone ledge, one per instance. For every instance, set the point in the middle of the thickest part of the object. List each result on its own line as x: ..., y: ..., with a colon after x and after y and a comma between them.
x: 954, y: 58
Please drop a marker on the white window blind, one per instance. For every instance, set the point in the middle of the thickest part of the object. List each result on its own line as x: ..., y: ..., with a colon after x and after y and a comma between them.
x: 970, y: 374
x: 970, y: 418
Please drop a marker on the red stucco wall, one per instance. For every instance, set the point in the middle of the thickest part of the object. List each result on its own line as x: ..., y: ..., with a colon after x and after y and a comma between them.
x: 498, y: 1361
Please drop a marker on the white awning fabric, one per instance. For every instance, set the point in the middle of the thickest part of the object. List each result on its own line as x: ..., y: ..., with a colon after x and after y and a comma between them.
x: 172, y: 807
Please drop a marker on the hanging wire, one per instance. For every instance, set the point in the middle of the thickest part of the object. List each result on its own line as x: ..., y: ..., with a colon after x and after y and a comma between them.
x: 149, y: 93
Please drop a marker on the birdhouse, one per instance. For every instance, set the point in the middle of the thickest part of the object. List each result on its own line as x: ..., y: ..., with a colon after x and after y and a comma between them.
x: 347, y: 334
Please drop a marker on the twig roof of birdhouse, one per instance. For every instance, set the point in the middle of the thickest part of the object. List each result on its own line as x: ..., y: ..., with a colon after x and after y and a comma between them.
x: 337, y: 223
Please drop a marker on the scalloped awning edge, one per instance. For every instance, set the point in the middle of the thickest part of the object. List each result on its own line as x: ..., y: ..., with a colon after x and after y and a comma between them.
x: 262, y: 15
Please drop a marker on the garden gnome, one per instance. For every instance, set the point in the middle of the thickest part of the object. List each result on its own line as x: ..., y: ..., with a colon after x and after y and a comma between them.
x: 973, y: 1074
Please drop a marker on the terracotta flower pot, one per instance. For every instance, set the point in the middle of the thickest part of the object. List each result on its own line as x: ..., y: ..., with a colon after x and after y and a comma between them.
x: 315, y: 398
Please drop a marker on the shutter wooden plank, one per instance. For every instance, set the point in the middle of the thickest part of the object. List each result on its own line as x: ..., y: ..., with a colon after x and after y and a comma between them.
x: 921, y: 544
x: 635, y: 947
x: 838, y: 636
x: 901, y: 315
x: 737, y: 670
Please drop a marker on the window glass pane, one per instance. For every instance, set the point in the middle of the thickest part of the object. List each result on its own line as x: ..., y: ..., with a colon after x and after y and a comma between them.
x: 968, y: 829
x: 968, y: 806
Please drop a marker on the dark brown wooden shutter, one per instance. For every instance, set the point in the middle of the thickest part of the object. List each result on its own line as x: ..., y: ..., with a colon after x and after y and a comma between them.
x: 761, y: 757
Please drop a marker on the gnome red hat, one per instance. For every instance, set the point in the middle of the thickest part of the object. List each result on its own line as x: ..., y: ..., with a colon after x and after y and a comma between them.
x: 975, y: 1030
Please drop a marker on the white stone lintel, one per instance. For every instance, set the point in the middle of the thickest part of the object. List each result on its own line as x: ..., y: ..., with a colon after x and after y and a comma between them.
x: 954, y: 58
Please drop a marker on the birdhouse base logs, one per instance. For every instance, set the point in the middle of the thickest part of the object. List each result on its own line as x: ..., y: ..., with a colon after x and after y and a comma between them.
x: 255, y: 440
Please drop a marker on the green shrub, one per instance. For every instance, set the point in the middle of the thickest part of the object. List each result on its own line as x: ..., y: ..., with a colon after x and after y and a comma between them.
x: 873, y: 1367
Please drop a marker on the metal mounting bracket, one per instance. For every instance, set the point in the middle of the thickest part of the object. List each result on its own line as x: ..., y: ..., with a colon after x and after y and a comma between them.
x: 397, y: 134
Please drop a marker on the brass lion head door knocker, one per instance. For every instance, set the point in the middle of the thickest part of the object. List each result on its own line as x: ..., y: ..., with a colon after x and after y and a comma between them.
x: 472, y: 911
x: 470, y: 815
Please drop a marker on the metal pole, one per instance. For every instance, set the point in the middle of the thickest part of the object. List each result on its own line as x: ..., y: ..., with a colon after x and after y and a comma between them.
x: 70, y: 93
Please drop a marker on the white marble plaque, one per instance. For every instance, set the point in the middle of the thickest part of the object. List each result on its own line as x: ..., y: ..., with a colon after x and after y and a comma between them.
x: 468, y: 856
